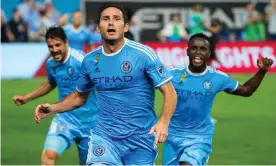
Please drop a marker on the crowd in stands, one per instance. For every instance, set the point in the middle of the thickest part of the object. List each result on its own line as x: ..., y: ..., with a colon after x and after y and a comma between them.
x: 31, y: 19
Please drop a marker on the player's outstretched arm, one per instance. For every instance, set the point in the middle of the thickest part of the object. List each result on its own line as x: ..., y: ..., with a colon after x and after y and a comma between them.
x: 42, y: 90
x: 72, y: 101
x: 253, y: 83
x: 170, y: 99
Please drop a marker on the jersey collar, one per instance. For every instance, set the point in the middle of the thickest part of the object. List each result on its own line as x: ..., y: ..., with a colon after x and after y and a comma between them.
x: 197, y: 74
x: 68, y: 55
x: 74, y: 29
x: 114, y: 53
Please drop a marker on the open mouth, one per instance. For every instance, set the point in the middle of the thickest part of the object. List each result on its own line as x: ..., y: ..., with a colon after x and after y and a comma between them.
x: 198, y: 59
x: 111, y: 31
x: 57, y: 56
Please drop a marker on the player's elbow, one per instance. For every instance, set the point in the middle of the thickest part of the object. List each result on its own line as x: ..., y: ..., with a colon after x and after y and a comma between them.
x: 79, y: 99
x: 247, y: 92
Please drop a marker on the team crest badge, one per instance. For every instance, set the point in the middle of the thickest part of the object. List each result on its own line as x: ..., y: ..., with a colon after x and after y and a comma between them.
x: 97, y: 60
x: 99, y: 150
x: 207, y: 85
x: 126, y: 67
x: 160, y: 70
x: 70, y: 70
x: 183, y: 76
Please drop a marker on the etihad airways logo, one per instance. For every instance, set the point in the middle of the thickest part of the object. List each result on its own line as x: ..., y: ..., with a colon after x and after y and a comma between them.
x: 113, y: 79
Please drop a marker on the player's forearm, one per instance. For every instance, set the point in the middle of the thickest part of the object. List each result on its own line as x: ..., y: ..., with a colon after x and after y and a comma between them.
x: 71, y: 102
x: 253, y: 83
x: 170, y: 99
x: 44, y: 89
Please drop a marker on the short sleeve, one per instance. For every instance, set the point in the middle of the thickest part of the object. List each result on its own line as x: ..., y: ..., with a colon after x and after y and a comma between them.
x: 228, y: 85
x: 84, y: 83
x: 156, y: 70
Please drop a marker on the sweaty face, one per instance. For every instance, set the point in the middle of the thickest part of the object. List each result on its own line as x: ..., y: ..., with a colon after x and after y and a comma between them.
x: 198, y: 51
x: 57, y: 48
x: 77, y: 18
x: 111, y: 24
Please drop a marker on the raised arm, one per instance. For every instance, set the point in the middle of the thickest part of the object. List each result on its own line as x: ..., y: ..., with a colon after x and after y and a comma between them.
x: 42, y: 90
x: 248, y: 88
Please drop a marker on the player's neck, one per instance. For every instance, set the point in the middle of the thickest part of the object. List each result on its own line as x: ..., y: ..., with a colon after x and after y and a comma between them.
x: 76, y: 26
x: 113, y: 46
x: 200, y: 69
x: 66, y: 55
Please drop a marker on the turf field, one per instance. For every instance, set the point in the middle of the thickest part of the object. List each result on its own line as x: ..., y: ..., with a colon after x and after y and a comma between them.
x: 245, y: 133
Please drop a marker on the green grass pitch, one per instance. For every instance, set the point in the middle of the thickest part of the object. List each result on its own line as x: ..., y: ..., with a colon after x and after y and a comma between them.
x: 245, y: 133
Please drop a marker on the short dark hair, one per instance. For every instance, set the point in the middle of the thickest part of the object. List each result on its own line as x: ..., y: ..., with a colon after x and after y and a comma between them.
x: 115, y: 5
x: 200, y: 35
x: 56, y: 32
x: 129, y: 14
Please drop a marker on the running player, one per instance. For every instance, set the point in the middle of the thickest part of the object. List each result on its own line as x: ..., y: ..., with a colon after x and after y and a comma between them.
x: 125, y: 75
x: 63, y: 72
x: 191, y: 130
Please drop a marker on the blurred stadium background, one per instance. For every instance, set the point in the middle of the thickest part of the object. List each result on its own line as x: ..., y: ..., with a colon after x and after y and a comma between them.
x: 245, y: 132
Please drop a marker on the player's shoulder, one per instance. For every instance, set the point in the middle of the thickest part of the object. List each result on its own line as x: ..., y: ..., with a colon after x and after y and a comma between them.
x: 93, y: 55
x: 178, y: 73
x: 67, y: 27
x: 218, y: 73
x: 177, y: 70
x: 77, y: 54
x: 141, y: 50
x: 50, y: 62
x: 84, y: 29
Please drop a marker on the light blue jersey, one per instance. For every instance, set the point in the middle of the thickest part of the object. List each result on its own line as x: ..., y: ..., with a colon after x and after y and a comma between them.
x: 65, y: 75
x: 191, y: 129
x: 76, y: 125
x: 78, y: 37
x: 126, y: 83
x: 196, y: 94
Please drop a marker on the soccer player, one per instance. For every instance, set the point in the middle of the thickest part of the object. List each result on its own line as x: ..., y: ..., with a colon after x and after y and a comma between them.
x: 191, y: 130
x: 77, y: 34
x: 63, y: 72
x: 125, y: 75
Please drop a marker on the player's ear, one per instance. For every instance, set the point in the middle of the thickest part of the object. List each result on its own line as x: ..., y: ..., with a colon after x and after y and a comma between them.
x: 66, y: 42
x: 98, y: 28
x: 126, y: 27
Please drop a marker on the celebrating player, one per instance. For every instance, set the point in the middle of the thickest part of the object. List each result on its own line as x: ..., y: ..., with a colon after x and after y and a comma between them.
x: 125, y: 75
x: 191, y: 130
x: 63, y: 72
